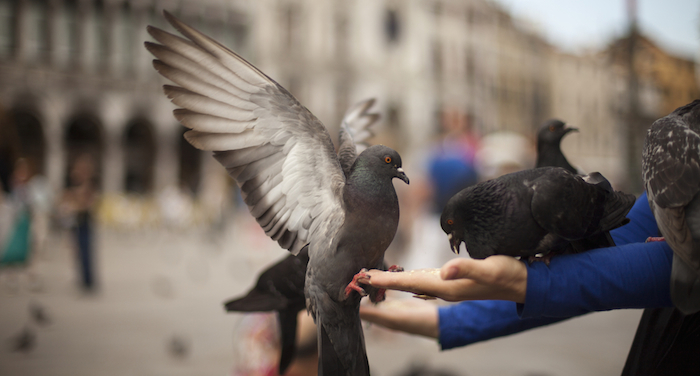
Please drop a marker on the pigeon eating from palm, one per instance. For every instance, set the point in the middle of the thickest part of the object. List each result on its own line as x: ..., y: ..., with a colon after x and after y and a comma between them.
x: 671, y: 173
x: 291, y: 178
x: 535, y: 212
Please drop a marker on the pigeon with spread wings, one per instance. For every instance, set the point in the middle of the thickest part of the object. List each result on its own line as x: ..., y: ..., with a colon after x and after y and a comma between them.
x: 280, y: 287
x: 293, y: 182
x: 671, y: 172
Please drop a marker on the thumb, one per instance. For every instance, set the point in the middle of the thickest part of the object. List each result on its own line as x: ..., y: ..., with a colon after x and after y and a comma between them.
x: 457, y: 268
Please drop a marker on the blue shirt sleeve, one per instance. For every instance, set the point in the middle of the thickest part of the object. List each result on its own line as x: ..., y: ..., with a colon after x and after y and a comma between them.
x: 633, y: 274
x: 469, y: 322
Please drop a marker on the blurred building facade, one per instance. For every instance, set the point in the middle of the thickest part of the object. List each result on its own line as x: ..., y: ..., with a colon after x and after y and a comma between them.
x: 75, y: 78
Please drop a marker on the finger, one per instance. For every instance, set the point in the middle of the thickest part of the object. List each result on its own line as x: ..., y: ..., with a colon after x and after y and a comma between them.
x: 411, y: 280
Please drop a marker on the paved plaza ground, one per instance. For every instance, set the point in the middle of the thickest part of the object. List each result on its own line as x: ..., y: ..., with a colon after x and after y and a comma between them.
x: 160, y: 287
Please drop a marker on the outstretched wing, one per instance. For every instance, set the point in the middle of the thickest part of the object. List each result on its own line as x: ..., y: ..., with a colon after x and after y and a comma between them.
x: 354, y: 132
x: 278, y: 152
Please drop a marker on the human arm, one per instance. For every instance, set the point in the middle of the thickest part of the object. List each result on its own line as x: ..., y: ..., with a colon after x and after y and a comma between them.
x: 410, y: 316
x: 618, y: 277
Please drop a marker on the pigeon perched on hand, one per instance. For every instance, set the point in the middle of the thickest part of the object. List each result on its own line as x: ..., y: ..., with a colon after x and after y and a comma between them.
x: 533, y: 212
x: 671, y: 173
x: 549, y: 152
x: 281, y: 287
x: 293, y: 182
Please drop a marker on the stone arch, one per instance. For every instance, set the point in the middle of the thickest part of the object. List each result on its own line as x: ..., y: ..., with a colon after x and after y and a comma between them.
x: 21, y: 136
x: 190, y: 173
x: 31, y: 139
x: 139, y: 147
x: 84, y: 135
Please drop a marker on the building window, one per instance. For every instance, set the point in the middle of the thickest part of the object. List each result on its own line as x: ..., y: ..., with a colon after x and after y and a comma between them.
x: 392, y: 26
x: 8, y: 9
x: 291, y: 27
x: 100, y: 38
x: 36, y: 28
x: 126, y: 36
x: 67, y: 38
x: 437, y: 59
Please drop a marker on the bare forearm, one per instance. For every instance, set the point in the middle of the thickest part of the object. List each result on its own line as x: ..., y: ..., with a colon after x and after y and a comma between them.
x: 420, y: 319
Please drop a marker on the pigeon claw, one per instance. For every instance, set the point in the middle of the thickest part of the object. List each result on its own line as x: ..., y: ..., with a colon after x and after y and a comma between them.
x: 654, y: 239
x: 354, y: 286
x: 395, y: 268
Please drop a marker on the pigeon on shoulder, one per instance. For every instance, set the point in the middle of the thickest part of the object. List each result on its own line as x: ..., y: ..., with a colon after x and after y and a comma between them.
x: 535, y: 212
x: 291, y: 178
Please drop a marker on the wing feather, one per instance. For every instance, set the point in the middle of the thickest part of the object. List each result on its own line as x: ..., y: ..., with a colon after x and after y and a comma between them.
x: 354, y: 132
x: 277, y: 151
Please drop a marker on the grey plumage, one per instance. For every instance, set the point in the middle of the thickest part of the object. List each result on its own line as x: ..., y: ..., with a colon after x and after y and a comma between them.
x: 534, y: 212
x: 290, y: 177
x: 280, y: 288
x: 549, y: 152
x: 671, y: 173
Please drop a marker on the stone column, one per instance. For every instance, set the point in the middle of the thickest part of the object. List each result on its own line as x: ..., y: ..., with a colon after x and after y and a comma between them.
x: 168, y: 134
x: 54, y: 123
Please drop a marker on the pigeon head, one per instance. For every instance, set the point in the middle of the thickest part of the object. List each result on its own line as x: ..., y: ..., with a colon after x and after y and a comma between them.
x: 553, y: 130
x: 383, y: 160
x: 453, y: 224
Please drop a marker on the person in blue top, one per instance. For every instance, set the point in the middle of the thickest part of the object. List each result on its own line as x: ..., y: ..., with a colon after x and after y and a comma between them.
x: 503, y: 296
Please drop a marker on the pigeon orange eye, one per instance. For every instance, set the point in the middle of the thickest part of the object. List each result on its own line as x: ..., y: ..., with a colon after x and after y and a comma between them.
x: 551, y: 128
x: 450, y: 222
x: 387, y: 159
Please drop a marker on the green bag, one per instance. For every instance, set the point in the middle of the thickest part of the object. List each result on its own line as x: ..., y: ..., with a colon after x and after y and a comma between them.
x: 16, y: 250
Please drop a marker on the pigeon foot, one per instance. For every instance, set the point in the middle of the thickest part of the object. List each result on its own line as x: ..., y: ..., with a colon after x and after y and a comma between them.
x: 544, y: 258
x: 353, y: 285
x: 654, y: 239
x: 381, y: 293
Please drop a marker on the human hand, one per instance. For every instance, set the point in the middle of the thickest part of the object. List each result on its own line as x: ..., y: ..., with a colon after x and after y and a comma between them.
x: 410, y: 316
x: 494, y: 278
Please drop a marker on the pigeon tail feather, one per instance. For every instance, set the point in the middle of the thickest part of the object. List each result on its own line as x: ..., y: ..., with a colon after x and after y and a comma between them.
x: 330, y: 362
x: 288, y: 333
x: 256, y: 301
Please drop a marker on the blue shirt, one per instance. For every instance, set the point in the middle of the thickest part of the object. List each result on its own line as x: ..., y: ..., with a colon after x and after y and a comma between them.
x: 632, y: 274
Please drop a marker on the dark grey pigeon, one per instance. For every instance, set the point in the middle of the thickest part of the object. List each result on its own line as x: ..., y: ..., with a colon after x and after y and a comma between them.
x: 285, y: 163
x: 535, y: 211
x: 549, y: 152
x: 280, y: 288
x: 671, y: 172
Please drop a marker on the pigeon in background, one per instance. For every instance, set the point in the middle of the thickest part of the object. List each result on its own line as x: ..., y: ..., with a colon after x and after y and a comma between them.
x: 671, y: 173
x: 291, y: 178
x: 279, y: 288
x: 533, y: 212
x: 25, y: 341
x: 39, y: 314
x: 549, y: 145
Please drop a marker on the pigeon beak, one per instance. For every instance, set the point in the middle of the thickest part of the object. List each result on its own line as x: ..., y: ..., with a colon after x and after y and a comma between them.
x: 455, y: 242
x: 401, y: 175
x: 570, y: 129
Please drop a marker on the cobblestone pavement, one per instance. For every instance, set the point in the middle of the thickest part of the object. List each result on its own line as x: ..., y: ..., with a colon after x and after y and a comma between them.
x: 158, y: 312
